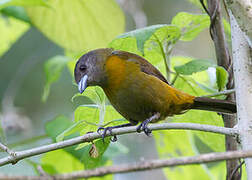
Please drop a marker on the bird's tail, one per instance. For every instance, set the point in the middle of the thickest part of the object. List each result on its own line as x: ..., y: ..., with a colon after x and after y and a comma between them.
x: 217, y: 105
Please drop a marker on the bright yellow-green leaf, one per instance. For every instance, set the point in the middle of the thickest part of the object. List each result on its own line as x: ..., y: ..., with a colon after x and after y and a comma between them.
x: 143, y: 34
x: 93, y: 153
x: 61, y: 162
x: 176, y: 144
x: 128, y: 44
x: 5, y: 3
x: 191, y: 24
x: 10, y: 29
x: 80, y: 24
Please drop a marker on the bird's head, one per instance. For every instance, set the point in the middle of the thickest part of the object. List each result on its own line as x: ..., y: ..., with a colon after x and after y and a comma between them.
x: 90, y: 69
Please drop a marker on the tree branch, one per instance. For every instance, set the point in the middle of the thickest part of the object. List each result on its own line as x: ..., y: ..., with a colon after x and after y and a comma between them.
x: 242, y: 11
x: 140, y: 166
x: 242, y: 56
x: 6, y: 149
x: 19, y: 155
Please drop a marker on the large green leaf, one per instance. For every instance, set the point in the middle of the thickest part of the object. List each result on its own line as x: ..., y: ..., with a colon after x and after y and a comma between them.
x: 17, y: 12
x: 153, y: 42
x: 176, y: 144
x: 194, y: 66
x: 6, y: 3
x: 56, y: 126
x: 191, y: 24
x: 128, y: 44
x: 80, y: 24
x: 60, y: 161
x: 53, y: 68
x: 10, y: 29
x: 143, y: 34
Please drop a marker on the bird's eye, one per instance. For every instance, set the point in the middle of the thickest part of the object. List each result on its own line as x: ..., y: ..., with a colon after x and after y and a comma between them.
x: 83, y: 67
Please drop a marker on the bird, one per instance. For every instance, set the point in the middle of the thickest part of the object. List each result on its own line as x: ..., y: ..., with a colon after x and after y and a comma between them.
x: 137, y: 89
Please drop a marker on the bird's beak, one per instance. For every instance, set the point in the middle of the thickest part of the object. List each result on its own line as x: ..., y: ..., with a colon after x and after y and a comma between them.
x: 82, y: 85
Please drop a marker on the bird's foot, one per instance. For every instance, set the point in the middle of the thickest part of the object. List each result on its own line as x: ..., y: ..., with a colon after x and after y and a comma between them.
x: 104, y: 133
x: 143, y: 126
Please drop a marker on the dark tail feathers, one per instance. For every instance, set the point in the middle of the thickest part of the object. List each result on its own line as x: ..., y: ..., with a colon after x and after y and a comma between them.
x: 217, y: 105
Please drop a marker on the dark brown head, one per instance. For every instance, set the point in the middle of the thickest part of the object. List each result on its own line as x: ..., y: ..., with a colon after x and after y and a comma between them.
x: 90, y: 69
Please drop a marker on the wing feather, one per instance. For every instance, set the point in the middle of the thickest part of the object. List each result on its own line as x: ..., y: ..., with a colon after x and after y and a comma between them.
x: 145, y: 66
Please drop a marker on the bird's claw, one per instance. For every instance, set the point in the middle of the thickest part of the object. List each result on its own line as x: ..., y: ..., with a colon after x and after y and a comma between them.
x: 104, y: 133
x: 143, y: 126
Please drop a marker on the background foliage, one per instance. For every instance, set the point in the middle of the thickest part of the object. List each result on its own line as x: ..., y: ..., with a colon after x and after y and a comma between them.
x: 82, y: 25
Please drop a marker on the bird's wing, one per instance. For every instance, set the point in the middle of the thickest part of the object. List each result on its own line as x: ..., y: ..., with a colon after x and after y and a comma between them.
x: 145, y: 66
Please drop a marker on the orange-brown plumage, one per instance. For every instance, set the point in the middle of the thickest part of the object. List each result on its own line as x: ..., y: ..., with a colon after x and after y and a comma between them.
x: 136, y: 89
x: 137, y: 95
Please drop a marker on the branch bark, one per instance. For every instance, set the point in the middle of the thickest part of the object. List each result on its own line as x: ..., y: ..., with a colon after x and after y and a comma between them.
x: 242, y: 56
x: 19, y: 155
x: 242, y: 11
x: 140, y: 166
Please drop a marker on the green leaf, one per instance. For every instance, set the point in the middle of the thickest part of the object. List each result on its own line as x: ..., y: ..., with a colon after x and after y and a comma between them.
x: 56, y: 126
x: 152, y: 41
x: 76, y: 127
x: 191, y: 24
x: 194, y: 66
x: 158, y: 47
x: 215, y: 141
x: 6, y: 3
x: 10, y: 29
x: 177, y: 143
x: 162, y: 38
x: 142, y: 35
x: 89, y: 154
x: 60, y: 161
x: 93, y: 153
x: 128, y: 44
x: 16, y: 12
x: 221, y: 77
x: 79, y: 25
x: 53, y: 68
x: 90, y: 117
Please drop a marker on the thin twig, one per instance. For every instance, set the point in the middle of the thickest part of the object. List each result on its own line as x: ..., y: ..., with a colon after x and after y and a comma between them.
x: 140, y: 166
x: 228, y: 91
x: 125, y: 130
x: 7, y: 150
